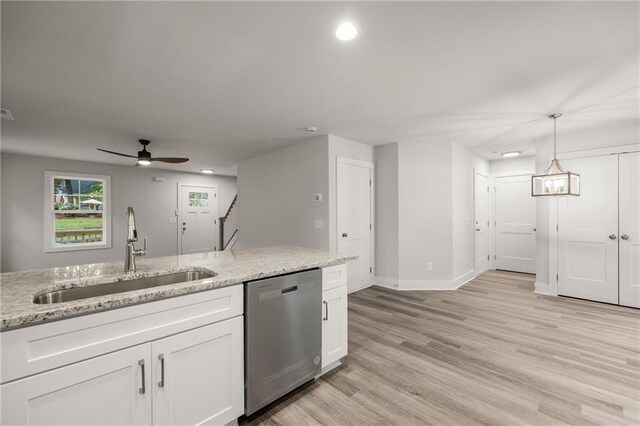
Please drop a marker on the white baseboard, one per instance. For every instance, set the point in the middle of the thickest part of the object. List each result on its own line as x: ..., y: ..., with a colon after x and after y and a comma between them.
x: 435, y: 285
x: 386, y: 282
x: 464, y: 278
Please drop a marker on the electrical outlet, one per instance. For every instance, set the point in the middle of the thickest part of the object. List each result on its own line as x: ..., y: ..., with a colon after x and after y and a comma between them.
x: 429, y: 266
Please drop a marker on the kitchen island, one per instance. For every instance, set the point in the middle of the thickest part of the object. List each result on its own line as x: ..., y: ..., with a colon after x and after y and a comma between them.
x: 170, y: 354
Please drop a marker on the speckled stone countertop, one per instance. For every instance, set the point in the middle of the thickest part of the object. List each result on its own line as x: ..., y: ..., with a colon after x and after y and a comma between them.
x: 18, y: 289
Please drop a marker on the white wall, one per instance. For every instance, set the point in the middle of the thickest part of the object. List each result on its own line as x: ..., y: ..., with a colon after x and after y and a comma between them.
x: 276, y: 196
x: 513, y: 165
x: 155, y: 202
x: 465, y: 164
x: 425, y: 212
x: 386, y: 218
x: 341, y: 147
x: 614, y: 135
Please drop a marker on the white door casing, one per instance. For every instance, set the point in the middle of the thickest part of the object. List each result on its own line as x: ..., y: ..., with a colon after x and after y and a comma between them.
x: 588, y: 232
x: 629, y: 229
x: 197, y: 219
x: 481, y: 230
x: 355, y: 219
x: 104, y: 390
x: 515, y: 213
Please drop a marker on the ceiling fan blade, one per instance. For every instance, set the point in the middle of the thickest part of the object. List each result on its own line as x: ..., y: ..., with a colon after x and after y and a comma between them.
x: 169, y: 159
x: 116, y: 153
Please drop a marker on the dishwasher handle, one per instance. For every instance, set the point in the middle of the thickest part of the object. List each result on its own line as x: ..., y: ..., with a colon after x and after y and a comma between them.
x: 288, y: 290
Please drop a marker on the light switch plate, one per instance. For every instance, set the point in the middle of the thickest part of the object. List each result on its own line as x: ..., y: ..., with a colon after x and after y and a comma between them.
x: 319, y: 224
x: 318, y: 197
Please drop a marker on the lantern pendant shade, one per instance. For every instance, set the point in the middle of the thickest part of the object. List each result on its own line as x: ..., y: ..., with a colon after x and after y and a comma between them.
x: 555, y: 180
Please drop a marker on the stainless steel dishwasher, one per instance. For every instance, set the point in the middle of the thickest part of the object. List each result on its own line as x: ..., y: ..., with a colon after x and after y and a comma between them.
x: 283, y: 335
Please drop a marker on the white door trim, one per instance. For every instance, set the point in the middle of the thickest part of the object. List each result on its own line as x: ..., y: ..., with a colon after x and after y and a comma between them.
x: 179, y: 209
x: 371, y: 167
x: 475, y: 218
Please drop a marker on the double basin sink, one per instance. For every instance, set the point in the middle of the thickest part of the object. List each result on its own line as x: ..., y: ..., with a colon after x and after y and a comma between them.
x: 88, y: 291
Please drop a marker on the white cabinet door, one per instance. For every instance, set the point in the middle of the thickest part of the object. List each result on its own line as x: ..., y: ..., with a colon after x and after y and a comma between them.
x: 629, y: 238
x: 112, y: 389
x: 588, y: 232
x: 198, y: 375
x: 515, y: 223
x: 334, y: 325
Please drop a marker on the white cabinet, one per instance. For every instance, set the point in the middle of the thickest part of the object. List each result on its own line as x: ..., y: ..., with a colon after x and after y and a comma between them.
x: 106, y: 368
x: 334, y: 315
x: 198, y: 375
x: 334, y: 325
x: 194, y: 377
x: 112, y: 389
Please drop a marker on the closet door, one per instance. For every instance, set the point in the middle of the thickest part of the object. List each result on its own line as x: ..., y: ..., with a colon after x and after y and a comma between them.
x: 515, y: 224
x: 588, y: 232
x: 629, y: 238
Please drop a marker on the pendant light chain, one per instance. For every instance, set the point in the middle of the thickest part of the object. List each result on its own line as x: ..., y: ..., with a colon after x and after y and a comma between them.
x: 555, y: 143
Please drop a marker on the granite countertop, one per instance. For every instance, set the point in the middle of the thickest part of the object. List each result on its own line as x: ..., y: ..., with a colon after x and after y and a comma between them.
x: 17, y: 289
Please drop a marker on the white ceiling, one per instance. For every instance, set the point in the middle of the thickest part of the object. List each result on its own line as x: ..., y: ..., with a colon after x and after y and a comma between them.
x: 220, y: 82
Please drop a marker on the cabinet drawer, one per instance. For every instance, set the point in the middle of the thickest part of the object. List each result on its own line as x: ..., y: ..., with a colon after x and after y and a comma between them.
x: 43, y: 347
x: 334, y: 276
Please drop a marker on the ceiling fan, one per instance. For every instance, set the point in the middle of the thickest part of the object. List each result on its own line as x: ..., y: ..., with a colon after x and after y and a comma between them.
x: 144, y: 157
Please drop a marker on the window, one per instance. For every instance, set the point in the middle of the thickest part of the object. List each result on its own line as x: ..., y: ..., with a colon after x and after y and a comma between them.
x: 77, y: 211
x: 198, y: 199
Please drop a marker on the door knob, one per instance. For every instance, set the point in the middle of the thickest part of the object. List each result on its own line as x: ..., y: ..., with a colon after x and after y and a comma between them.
x: 345, y: 235
x: 612, y: 237
x: 624, y: 237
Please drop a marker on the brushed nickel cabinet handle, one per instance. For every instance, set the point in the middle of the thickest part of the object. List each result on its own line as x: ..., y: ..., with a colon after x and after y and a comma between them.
x: 143, y: 389
x: 326, y: 311
x: 612, y: 237
x: 624, y: 237
x: 161, y: 382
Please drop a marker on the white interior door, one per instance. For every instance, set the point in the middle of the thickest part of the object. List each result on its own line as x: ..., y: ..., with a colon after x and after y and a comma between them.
x: 515, y: 212
x: 197, y: 224
x: 355, y: 220
x: 629, y: 238
x: 481, y: 201
x: 588, y: 230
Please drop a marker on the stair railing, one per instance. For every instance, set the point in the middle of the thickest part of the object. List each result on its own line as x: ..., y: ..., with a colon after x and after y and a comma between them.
x: 228, y: 224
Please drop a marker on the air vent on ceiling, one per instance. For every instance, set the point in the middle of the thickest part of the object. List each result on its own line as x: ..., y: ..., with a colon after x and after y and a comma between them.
x: 5, y: 113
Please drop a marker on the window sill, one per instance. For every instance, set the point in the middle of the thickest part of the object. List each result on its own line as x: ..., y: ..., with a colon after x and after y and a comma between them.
x: 76, y: 247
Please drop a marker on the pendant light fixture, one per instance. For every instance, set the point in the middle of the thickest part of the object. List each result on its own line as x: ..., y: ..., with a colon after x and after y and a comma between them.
x: 555, y: 180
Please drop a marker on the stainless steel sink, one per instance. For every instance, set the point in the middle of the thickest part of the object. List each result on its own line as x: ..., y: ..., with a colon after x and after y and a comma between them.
x: 86, y: 292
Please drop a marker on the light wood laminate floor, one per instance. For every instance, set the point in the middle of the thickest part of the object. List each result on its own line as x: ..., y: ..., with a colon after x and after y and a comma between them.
x: 491, y: 352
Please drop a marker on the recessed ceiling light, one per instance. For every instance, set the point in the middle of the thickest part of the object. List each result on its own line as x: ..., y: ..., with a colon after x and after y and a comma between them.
x: 346, y: 31
x: 311, y: 129
x: 207, y: 171
x: 510, y: 154
x: 143, y: 162
x: 6, y: 114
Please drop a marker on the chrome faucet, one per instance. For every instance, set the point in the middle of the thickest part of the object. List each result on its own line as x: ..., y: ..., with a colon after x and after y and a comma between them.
x: 132, y: 237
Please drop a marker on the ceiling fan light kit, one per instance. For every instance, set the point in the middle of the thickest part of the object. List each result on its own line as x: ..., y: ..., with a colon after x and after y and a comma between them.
x: 144, y: 157
x: 555, y: 180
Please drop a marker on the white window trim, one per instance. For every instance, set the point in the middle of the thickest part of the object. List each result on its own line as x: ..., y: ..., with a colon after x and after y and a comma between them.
x: 49, y: 241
